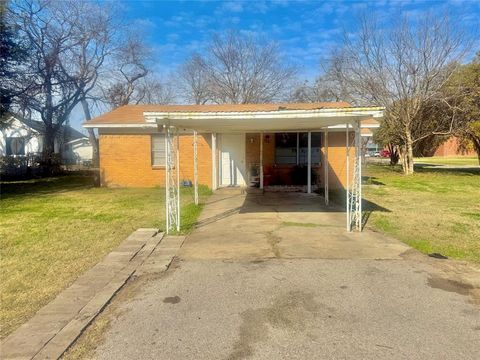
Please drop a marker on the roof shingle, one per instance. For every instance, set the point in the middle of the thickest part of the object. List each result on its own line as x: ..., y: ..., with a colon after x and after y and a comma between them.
x: 133, y: 114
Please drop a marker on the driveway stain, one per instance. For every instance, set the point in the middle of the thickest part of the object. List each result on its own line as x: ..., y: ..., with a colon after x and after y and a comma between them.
x: 172, y: 300
x: 449, y: 285
x: 285, y: 312
x: 273, y: 240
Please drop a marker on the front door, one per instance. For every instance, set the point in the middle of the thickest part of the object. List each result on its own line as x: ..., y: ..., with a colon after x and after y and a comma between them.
x: 232, y: 159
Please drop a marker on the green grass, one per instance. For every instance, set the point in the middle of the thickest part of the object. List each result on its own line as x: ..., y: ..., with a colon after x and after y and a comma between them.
x: 433, y: 210
x: 52, y: 230
x: 451, y: 160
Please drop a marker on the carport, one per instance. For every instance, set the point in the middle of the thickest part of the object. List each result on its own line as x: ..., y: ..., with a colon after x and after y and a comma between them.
x: 348, y: 120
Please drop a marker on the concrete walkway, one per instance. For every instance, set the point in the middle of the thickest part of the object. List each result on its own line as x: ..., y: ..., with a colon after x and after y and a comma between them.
x: 58, y: 324
x: 270, y: 277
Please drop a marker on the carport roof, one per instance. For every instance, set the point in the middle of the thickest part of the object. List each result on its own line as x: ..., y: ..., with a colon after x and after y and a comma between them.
x: 239, y: 117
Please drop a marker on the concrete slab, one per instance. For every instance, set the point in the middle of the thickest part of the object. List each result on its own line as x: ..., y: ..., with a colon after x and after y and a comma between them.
x: 162, y: 256
x: 281, y: 225
x: 294, y: 309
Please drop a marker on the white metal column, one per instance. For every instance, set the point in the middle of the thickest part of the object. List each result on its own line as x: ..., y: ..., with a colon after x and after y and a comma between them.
x: 261, y: 160
x: 347, y: 192
x: 177, y: 166
x: 195, y: 165
x: 354, y: 190
x: 309, y: 161
x: 214, y: 161
x: 172, y: 179
x: 325, y: 167
x: 298, y: 148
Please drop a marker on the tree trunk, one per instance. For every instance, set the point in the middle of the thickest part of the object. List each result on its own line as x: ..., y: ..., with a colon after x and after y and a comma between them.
x: 94, y: 142
x: 394, y: 156
x: 48, y: 152
x: 407, y: 154
x: 48, y: 143
x: 476, y: 146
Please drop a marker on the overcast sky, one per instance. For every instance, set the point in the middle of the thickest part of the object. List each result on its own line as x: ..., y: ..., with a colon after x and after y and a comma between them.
x: 305, y: 30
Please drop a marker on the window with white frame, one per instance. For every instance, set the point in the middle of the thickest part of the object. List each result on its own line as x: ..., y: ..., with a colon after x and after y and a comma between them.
x: 292, y: 148
x: 15, y: 146
x: 158, y: 150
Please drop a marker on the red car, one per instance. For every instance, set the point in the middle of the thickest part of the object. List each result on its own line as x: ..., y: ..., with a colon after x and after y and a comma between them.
x: 385, y: 153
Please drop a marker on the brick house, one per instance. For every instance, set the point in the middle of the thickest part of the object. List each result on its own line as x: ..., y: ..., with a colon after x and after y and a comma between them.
x: 132, y: 150
x: 292, y: 146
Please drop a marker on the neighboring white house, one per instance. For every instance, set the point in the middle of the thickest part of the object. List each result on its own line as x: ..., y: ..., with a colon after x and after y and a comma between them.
x: 23, y: 137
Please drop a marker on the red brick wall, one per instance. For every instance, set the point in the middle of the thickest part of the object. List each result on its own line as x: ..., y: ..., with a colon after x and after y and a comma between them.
x: 125, y: 160
x: 451, y: 148
x: 337, y: 172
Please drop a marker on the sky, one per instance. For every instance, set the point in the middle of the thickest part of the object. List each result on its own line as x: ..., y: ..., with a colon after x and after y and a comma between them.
x: 306, y: 31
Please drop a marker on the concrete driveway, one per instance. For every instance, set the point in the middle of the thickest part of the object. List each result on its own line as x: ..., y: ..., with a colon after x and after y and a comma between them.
x: 268, y: 277
x: 281, y: 225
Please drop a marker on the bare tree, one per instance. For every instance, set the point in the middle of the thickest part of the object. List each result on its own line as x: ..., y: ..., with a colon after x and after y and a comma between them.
x: 238, y: 69
x: 321, y: 90
x: 128, y: 68
x: 96, y: 31
x: 49, y: 29
x: 151, y: 90
x: 194, y: 81
x: 402, y: 69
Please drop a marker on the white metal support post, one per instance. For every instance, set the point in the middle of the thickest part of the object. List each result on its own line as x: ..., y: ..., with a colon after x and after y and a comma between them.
x: 354, y: 190
x: 309, y: 161
x: 325, y: 167
x: 347, y: 147
x: 298, y: 148
x: 167, y: 183
x: 261, y: 160
x: 356, y: 193
x: 195, y: 165
x: 177, y: 166
x: 172, y: 179
x: 214, y: 161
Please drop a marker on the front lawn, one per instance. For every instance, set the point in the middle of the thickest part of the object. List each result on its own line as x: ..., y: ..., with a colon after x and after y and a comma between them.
x: 52, y: 230
x: 434, y: 210
x: 448, y: 160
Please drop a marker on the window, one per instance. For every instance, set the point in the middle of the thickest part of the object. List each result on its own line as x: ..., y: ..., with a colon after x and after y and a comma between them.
x: 287, y: 145
x: 15, y: 146
x: 303, y: 147
x: 285, y: 148
x: 158, y: 150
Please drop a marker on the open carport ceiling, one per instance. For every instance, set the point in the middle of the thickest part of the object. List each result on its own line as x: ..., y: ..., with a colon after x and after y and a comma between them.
x: 266, y: 121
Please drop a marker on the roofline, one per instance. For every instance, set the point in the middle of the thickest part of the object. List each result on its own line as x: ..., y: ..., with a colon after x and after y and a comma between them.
x: 151, y: 117
x: 117, y: 125
x: 155, y: 126
x: 377, y: 112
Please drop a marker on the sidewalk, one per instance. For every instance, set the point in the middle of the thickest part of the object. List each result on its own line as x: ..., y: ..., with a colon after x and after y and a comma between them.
x: 58, y: 324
